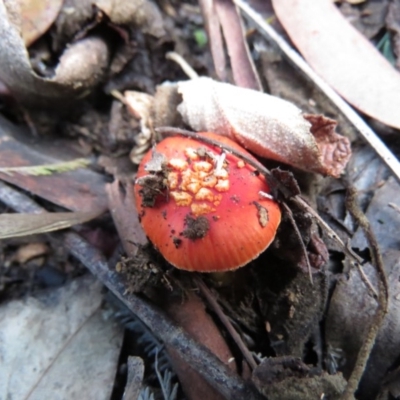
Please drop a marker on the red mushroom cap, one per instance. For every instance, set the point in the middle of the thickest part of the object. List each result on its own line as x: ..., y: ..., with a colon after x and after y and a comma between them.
x: 201, y: 207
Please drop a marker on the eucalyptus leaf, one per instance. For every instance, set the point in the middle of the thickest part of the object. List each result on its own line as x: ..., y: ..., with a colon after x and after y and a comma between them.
x: 16, y: 225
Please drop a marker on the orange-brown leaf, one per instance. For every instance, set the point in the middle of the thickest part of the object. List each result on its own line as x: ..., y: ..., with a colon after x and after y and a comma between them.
x: 343, y: 57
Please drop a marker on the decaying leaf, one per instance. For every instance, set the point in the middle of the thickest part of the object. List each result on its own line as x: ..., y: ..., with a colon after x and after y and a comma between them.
x: 393, y: 24
x: 37, y: 16
x: 30, y: 251
x: 126, y: 219
x: 243, y: 68
x: 349, y: 317
x: 266, y: 125
x: 289, y: 378
x: 192, y: 317
x: 15, y: 225
x: 142, y: 13
x: 140, y: 105
x: 77, y: 190
x: 348, y: 324
x: 81, y: 66
x: 58, y: 344
x: 213, y: 28
x: 343, y: 57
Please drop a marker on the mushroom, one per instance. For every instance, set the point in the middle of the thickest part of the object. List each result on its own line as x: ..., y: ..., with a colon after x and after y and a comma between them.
x: 204, y: 209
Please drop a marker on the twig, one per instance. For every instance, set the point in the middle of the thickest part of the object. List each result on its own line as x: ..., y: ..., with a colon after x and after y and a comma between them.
x: 200, y: 358
x: 369, y: 135
x: 300, y: 239
x: 383, y: 296
x: 186, y: 68
x: 134, y: 379
x: 18, y: 200
x: 356, y: 259
x: 224, y: 319
x: 363, y: 277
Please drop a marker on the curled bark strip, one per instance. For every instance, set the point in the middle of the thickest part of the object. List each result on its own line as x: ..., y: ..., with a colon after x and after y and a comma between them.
x: 266, y: 125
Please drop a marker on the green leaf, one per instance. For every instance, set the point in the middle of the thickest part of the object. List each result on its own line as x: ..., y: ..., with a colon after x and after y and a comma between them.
x: 200, y: 37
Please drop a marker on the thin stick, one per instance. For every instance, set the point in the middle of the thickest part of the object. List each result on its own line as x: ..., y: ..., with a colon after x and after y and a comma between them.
x: 300, y: 239
x: 186, y: 68
x: 369, y: 135
x: 356, y: 259
x: 383, y: 299
x: 224, y: 319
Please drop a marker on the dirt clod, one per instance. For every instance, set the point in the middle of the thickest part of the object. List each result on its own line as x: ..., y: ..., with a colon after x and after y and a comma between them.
x: 196, y: 228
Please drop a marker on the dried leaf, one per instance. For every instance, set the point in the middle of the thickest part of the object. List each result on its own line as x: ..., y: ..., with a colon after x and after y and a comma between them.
x: 343, y: 57
x: 213, y: 28
x: 78, y: 190
x: 37, y: 16
x: 244, y: 71
x: 125, y: 216
x: 15, y: 225
x: 266, y: 125
x: 393, y: 24
x: 141, y: 105
x: 29, y: 251
x: 193, y: 318
x: 58, y: 344
x: 350, y: 313
x: 81, y: 66
x: 347, y: 325
x: 142, y: 13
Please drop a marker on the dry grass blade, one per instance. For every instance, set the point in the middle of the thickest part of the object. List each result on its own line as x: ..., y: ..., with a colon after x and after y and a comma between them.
x: 16, y: 225
x: 47, y: 169
x: 369, y: 135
